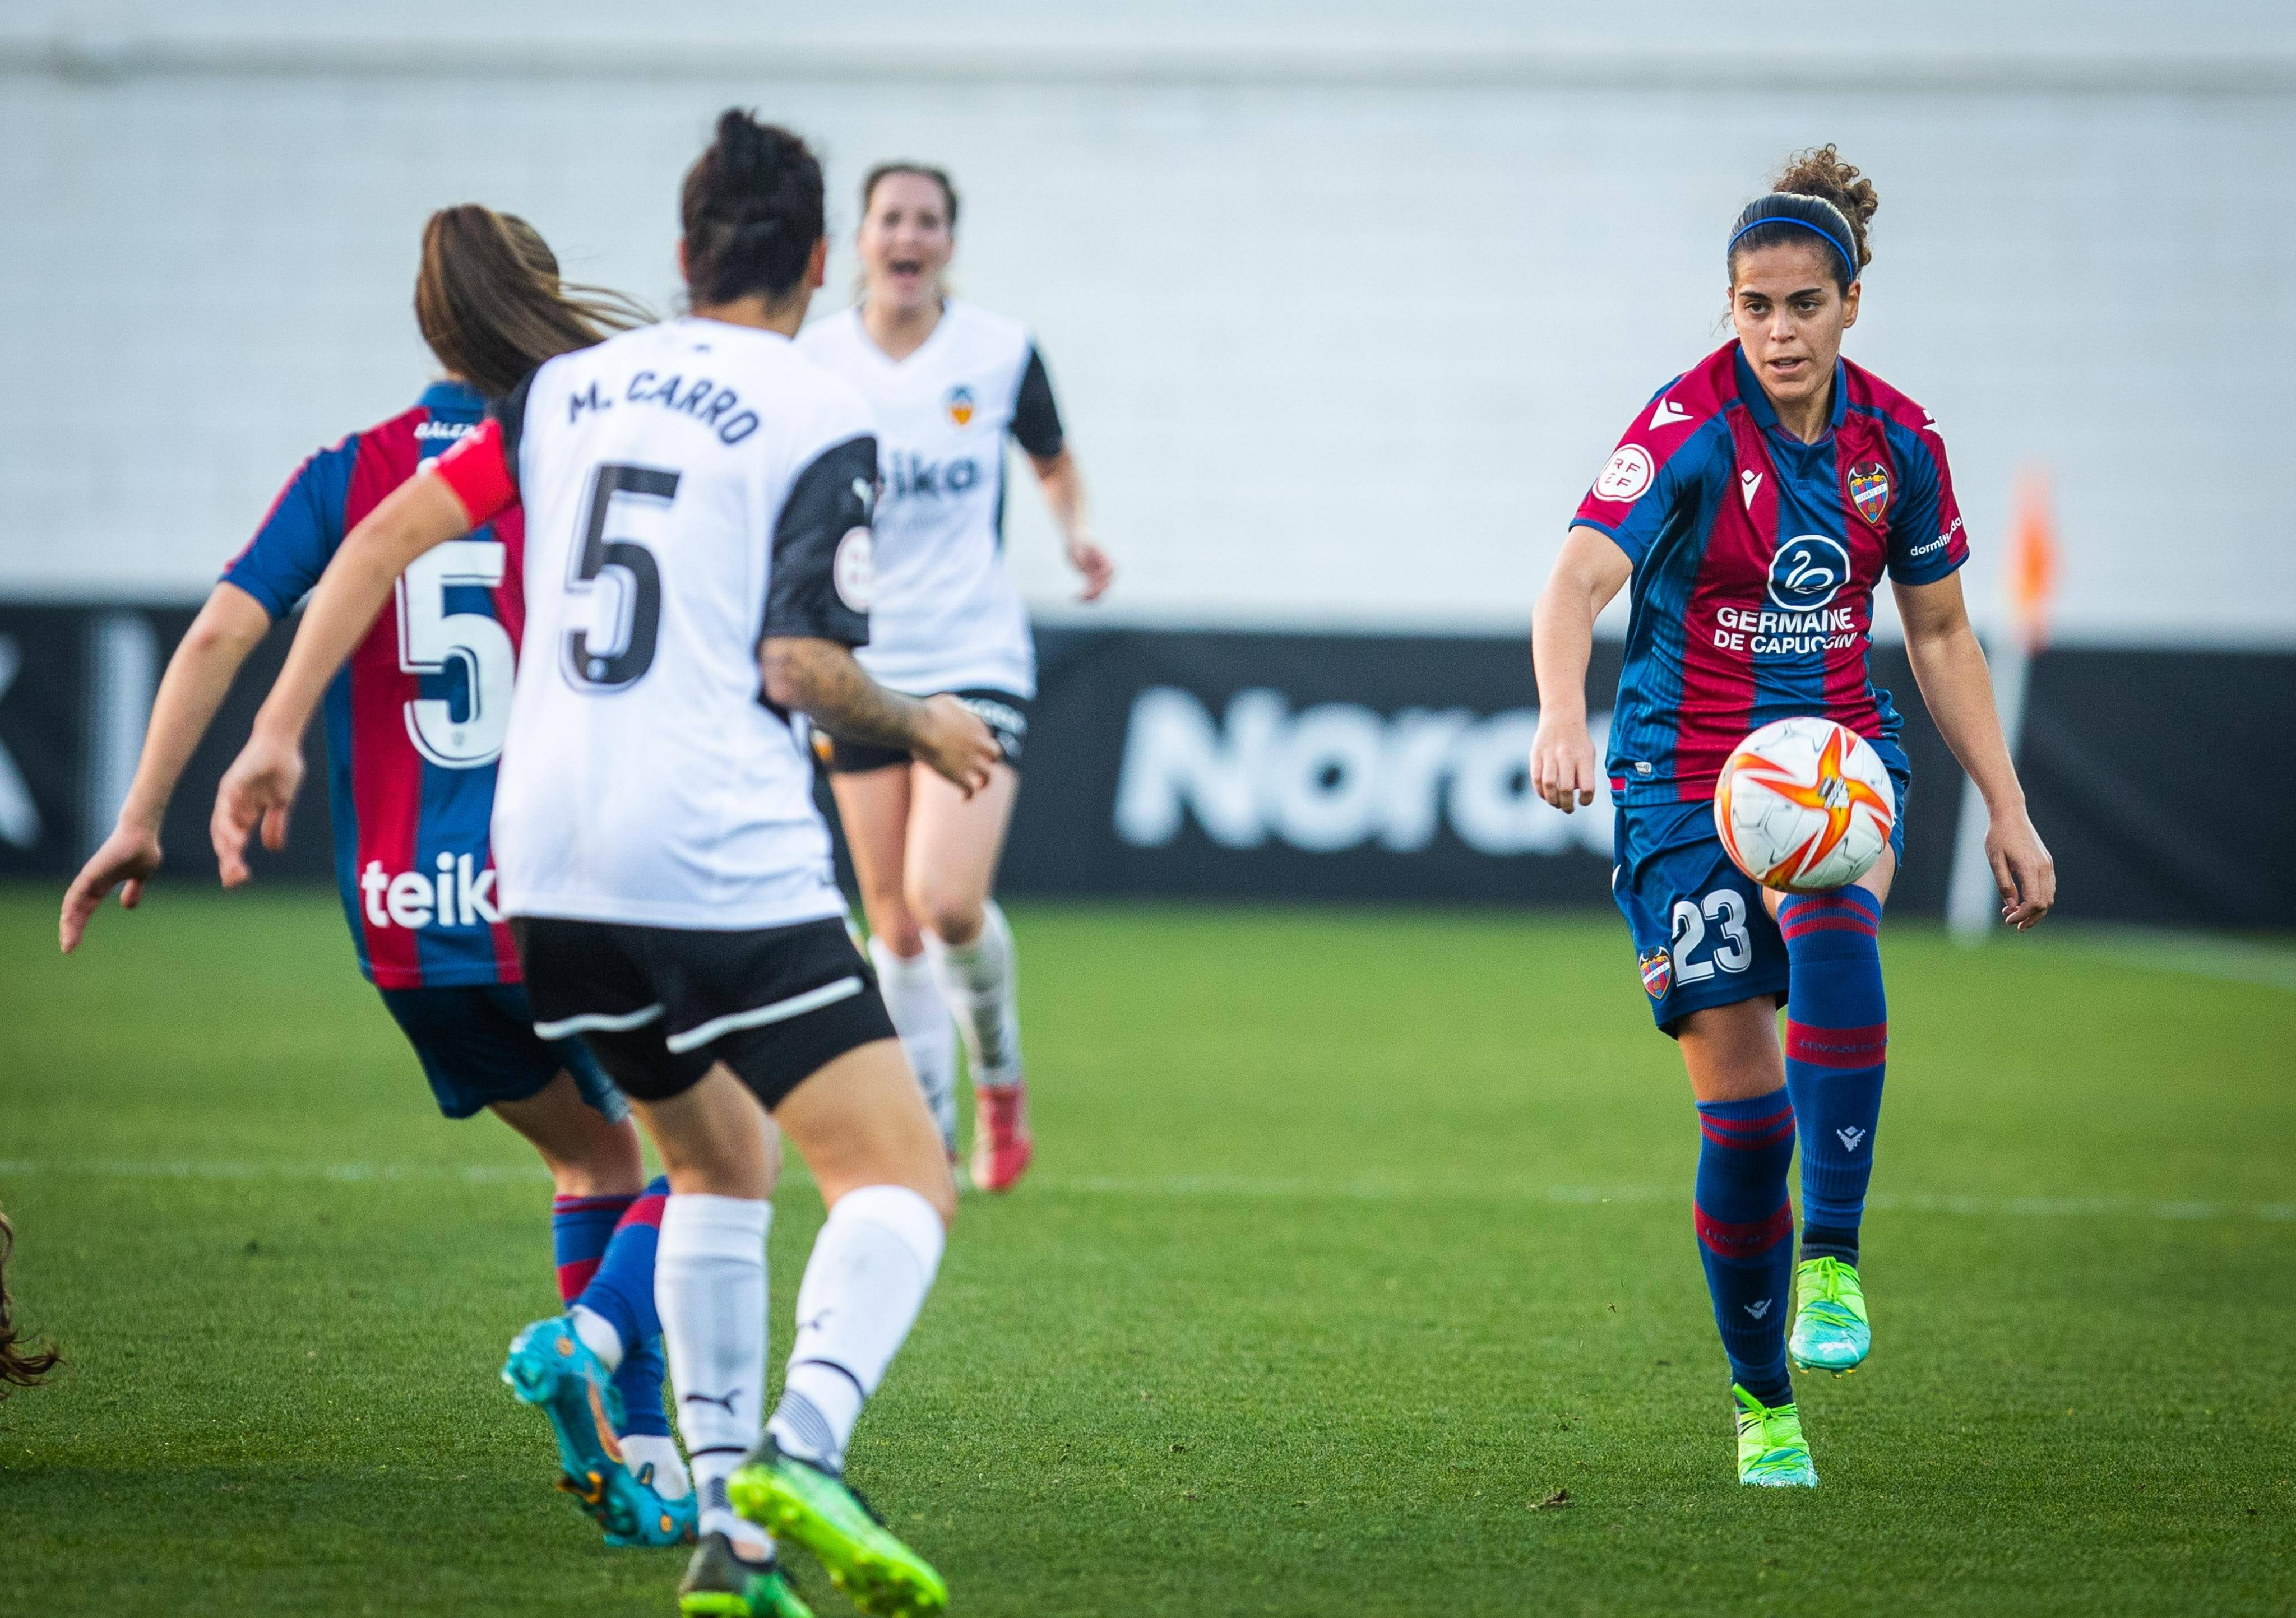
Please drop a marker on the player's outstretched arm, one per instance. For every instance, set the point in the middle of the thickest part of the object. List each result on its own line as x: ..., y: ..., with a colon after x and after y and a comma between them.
x: 820, y: 679
x: 1063, y: 485
x: 1949, y: 666
x: 1590, y: 571
x: 260, y: 786
x: 199, y: 676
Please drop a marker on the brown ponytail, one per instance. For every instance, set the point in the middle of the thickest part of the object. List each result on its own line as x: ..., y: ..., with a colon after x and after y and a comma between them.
x: 18, y: 1368
x: 490, y: 303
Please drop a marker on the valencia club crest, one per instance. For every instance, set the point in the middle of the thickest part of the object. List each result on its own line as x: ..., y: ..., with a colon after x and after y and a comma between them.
x: 1658, y: 972
x: 1869, y: 491
x: 959, y: 405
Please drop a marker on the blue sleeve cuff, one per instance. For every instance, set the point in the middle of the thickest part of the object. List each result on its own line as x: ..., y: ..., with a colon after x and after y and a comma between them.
x: 1608, y: 532
x: 262, y: 594
x: 1930, y: 573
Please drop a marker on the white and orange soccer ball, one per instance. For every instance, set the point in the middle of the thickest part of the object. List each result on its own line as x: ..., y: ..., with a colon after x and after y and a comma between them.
x: 1804, y: 804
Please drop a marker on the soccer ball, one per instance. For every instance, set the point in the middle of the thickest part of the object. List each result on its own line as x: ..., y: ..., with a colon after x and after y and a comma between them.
x: 1804, y: 804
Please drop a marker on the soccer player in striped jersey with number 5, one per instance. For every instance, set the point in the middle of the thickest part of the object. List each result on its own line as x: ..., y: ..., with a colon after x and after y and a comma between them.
x: 415, y: 726
x: 1754, y: 506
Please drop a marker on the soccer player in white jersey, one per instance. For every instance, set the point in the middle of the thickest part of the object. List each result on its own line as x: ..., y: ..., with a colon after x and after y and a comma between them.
x: 698, y: 495
x: 948, y: 382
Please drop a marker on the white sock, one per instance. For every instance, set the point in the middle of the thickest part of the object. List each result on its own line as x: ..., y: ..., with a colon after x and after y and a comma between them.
x: 709, y: 1287
x: 978, y: 981
x: 921, y: 1018
x: 659, y: 1452
x: 872, y: 1266
x: 598, y: 1335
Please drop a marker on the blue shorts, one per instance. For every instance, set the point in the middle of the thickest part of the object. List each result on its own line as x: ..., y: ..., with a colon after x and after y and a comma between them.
x: 478, y: 1046
x: 1702, y: 935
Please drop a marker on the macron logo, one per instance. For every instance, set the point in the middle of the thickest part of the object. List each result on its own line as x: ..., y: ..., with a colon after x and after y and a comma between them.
x: 1850, y: 1138
x: 1748, y: 482
x: 459, y: 897
x: 1759, y: 1309
x: 1668, y: 414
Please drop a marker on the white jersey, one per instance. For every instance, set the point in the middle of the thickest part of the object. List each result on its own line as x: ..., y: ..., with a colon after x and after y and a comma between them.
x: 689, y: 488
x: 946, y: 617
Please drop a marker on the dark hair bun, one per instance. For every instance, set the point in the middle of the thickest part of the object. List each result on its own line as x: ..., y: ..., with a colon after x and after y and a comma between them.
x: 751, y: 208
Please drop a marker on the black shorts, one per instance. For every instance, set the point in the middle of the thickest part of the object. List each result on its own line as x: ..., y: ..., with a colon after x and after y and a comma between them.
x: 658, y: 1005
x: 1006, y: 716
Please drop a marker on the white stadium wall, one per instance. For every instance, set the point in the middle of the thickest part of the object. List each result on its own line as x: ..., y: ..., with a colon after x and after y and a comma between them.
x: 1344, y: 313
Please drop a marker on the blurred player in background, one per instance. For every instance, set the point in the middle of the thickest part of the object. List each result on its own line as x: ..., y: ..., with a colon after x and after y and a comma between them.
x: 699, y: 495
x: 415, y: 726
x: 948, y: 382
x: 1755, y: 502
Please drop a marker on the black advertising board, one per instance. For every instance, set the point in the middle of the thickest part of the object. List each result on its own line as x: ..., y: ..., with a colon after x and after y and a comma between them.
x: 1379, y: 768
x: 1331, y: 766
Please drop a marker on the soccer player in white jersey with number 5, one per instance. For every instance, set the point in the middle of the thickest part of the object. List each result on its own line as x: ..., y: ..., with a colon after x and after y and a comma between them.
x: 948, y: 382
x: 698, y: 495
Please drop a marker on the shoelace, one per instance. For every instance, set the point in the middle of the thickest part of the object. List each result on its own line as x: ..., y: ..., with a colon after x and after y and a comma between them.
x: 1829, y: 1275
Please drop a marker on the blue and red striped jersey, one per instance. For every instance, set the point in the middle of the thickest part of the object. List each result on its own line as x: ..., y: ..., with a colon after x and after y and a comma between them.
x: 416, y: 719
x: 1756, y: 558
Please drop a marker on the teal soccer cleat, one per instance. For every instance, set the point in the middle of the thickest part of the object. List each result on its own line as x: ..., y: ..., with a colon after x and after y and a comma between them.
x: 1831, y: 1331
x: 551, y: 1367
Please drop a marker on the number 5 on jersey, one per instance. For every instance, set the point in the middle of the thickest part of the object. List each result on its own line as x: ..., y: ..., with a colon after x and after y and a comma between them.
x: 430, y: 637
x: 630, y: 617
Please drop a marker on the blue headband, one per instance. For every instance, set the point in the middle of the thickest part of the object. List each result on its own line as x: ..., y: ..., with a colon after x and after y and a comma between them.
x: 1832, y: 241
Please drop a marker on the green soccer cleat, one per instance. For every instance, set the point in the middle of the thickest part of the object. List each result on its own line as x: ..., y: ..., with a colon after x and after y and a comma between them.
x: 802, y: 1504
x: 1830, y: 1330
x: 720, y: 1584
x: 1772, y: 1453
x: 551, y: 1367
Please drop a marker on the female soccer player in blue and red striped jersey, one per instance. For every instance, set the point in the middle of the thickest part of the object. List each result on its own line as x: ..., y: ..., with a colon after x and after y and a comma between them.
x: 1754, y: 505
x: 414, y: 728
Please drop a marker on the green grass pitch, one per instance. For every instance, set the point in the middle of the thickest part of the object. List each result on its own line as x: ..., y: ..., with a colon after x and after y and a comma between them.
x: 1353, y: 1235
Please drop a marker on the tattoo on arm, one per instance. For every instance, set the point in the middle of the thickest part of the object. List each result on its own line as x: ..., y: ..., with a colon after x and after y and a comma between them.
x: 820, y: 679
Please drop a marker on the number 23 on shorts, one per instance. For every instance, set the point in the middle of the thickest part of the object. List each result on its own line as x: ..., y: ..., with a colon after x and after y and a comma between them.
x: 1732, y: 947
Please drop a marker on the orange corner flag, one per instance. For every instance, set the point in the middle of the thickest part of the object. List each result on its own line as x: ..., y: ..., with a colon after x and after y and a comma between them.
x: 2031, y: 563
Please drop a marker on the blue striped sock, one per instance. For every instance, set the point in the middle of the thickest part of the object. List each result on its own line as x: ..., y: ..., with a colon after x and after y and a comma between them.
x: 1745, y: 1230
x: 1837, y: 1042
x: 621, y: 1290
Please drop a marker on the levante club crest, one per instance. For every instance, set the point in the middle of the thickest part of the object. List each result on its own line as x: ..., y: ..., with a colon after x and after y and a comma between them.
x: 1869, y: 490
x: 1658, y: 972
x: 959, y: 404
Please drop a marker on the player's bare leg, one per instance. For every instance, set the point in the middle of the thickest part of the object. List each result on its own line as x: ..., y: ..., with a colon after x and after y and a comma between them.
x: 873, y: 806
x: 586, y: 1155
x: 954, y: 844
x: 862, y: 1126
